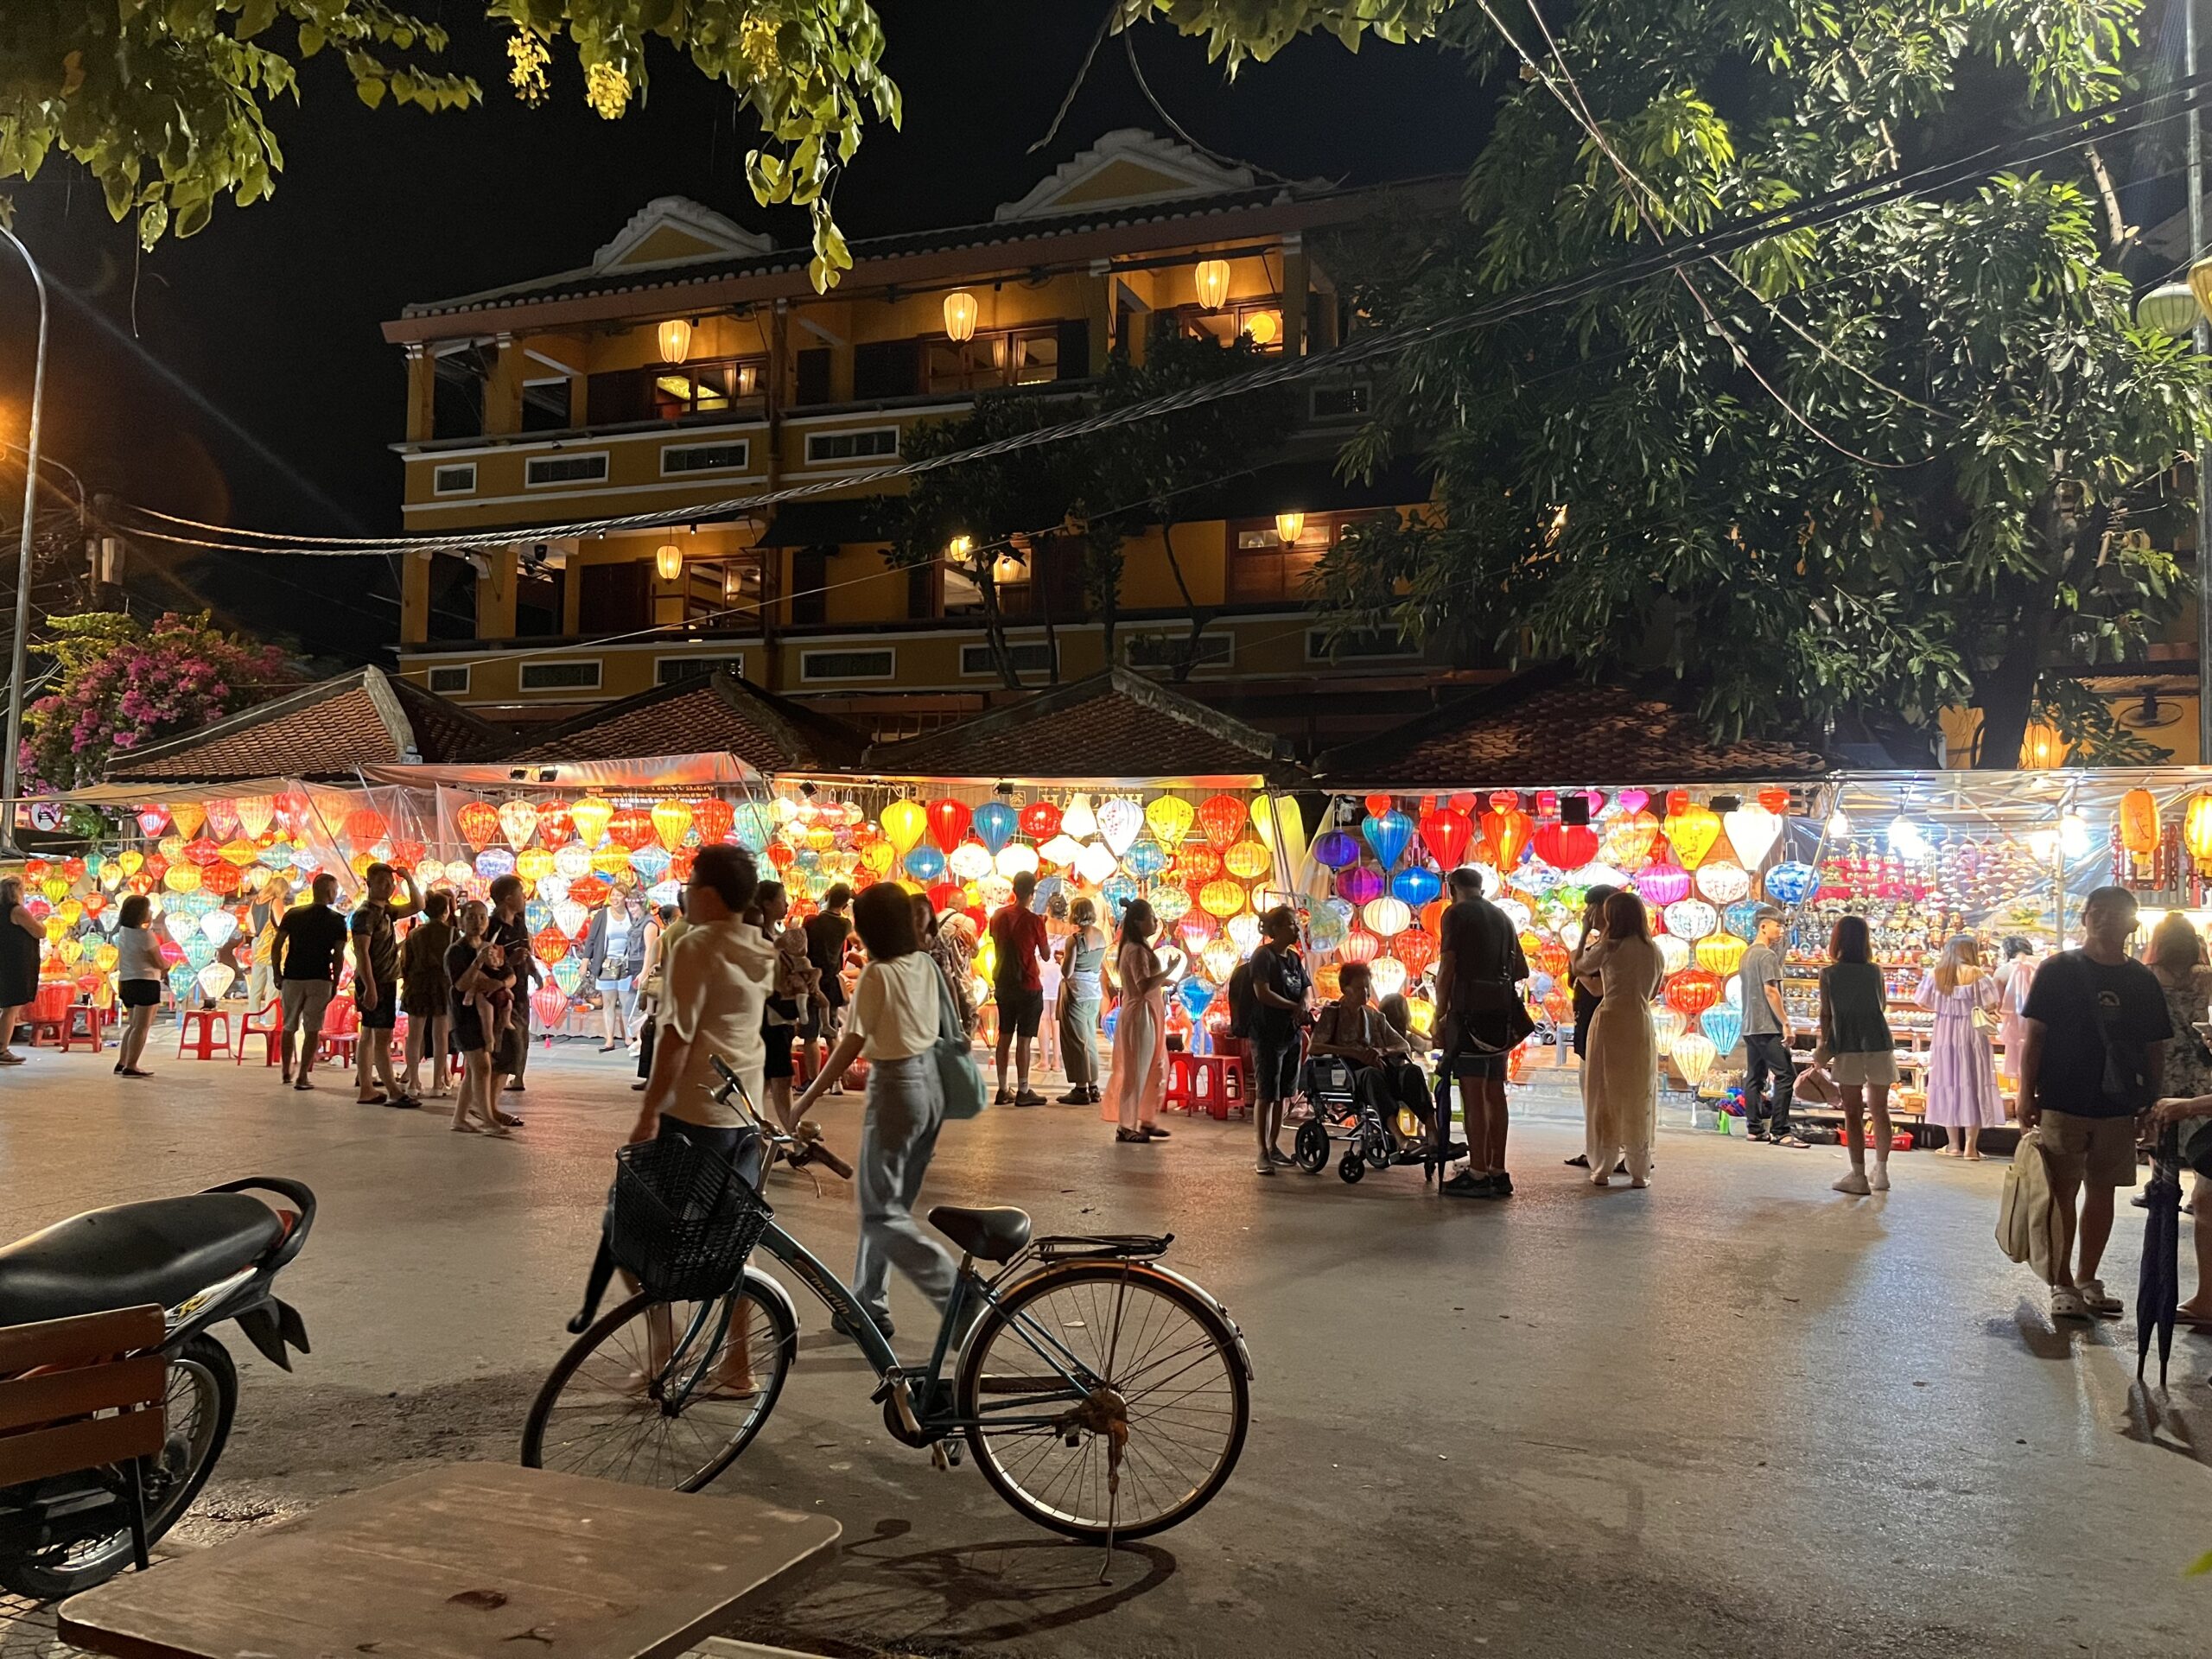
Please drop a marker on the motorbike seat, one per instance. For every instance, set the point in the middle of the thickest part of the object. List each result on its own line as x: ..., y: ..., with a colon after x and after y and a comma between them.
x: 994, y: 1235
x: 129, y: 1254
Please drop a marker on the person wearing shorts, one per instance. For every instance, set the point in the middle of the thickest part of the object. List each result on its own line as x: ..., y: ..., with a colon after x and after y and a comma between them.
x: 1017, y: 935
x: 1480, y: 970
x: 2096, y: 1030
x: 1859, y: 1049
x: 1281, y: 990
x: 376, y: 983
x: 308, y: 942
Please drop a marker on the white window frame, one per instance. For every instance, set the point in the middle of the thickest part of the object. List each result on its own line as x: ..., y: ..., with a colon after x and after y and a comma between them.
x: 529, y: 463
x: 1313, y: 394
x: 699, y: 666
x: 806, y: 658
x: 1317, y: 651
x: 440, y: 468
x: 813, y: 438
x: 432, y: 671
x: 743, y: 446
x: 986, y: 669
x: 598, y: 674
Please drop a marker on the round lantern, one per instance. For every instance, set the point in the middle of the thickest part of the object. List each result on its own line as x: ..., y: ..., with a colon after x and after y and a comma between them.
x: 1388, y: 975
x: 1170, y: 817
x: 1663, y: 884
x: 750, y: 823
x: 1721, y: 953
x: 1791, y: 883
x: 1016, y: 858
x: 549, y: 1002
x: 1040, y: 821
x: 1692, y: 1055
x: 714, y: 818
x: 1335, y: 849
x: 1170, y: 904
x: 1219, y: 957
x: 970, y: 862
x: 1328, y: 981
x: 1752, y: 831
x: 1243, y: 930
x: 494, y: 862
x: 1692, y: 833
x: 1388, y: 834
x: 1145, y: 859
x: 925, y: 864
x: 182, y: 878
x: 1691, y: 992
x: 1221, y: 820
x: 1692, y: 919
x: 365, y: 826
x: 573, y: 860
x: 1415, y: 948
x: 1508, y: 830
x: 610, y: 861
x: 630, y: 829
x: 1361, y: 885
x: 1565, y: 846
x: 1445, y: 832
x: 904, y: 824
x: 589, y: 818
x: 1247, y: 861
x: 672, y: 821
x: 2139, y: 827
x: 517, y: 823
x: 1722, y: 883
x: 995, y: 822
x: 1667, y: 1026
x: 1095, y: 862
x: 948, y: 820
x: 1359, y: 946
x: 1222, y: 899
x: 1386, y: 918
x: 1119, y: 820
x: 650, y: 863
x: 1078, y: 820
x: 1722, y: 1024
x: 533, y: 864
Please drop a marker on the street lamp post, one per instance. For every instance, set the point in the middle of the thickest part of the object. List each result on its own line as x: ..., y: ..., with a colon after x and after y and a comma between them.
x: 9, y: 762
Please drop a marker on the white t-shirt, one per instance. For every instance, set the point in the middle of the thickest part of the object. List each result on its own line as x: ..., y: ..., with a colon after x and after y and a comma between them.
x: 138, y: 954
x: 716, y: 982
x: 896, y: 1006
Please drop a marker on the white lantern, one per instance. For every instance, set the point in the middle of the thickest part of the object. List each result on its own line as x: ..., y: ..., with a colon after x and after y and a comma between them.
x: 1212, y: 280
x: 960, y: 314
x: 2171, y: 308
x: 675, y: 341
x: 1095, y: 862
x: 668, y: 559
x: 970, y: 861
x: 1016, y: 858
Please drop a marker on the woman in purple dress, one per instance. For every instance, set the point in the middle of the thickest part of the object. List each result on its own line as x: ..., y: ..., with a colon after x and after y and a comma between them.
x: 1961, y: 1073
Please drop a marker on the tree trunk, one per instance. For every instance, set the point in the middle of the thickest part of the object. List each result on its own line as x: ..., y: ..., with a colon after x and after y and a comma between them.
x: 2006, y: 693
x: 1187, y: 658
x: 994, y: 628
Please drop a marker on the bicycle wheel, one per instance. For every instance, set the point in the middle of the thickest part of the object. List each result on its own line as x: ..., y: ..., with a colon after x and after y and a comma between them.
x: 1170, y: 1373
x: 638, y: 1396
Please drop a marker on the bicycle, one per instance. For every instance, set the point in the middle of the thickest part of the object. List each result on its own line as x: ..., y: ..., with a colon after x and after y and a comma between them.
x: 1101, y: 1395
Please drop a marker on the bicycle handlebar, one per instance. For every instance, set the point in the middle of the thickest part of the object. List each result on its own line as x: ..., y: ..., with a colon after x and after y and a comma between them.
x: 797, y: 1152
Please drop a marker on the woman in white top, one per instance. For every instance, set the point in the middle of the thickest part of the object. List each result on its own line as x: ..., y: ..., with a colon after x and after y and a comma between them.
x: 137, y: 980
x: 1620, y: 1068
x: 898, y: 1009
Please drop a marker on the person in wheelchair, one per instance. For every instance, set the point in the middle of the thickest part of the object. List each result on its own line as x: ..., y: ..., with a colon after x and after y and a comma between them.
x: 1351, y: 1029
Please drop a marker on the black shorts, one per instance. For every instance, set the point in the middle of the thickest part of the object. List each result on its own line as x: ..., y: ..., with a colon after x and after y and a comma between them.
x: 1275, y: 1067
x: 1020, y: 1008
x: 384, y: 1016
x: 140, y: 993
x: 777, y: 1040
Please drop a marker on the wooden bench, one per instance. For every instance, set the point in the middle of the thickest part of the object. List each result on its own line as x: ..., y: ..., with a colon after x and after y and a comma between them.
x: 55, y: 1375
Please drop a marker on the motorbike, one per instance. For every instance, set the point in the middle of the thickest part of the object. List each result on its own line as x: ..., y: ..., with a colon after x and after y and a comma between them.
x: 203, y: 1259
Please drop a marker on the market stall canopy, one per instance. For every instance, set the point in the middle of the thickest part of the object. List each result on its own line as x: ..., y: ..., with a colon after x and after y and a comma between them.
x: 323, y: 733
x: 1551, y: 725
x: 706, y: 715
x: 1114, y: 728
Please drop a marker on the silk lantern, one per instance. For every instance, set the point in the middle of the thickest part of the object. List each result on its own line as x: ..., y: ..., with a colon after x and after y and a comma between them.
x: 187, y: 817
x: 1335, y: 849
x: 550, y: 944
x: 904, y: 824
x: 1692, y: 1055
x: 1219, y: 959
x: 995, y: 822
x: 1388, y: 975
x: 1247, y: 861
x: 1222, y: 899
x: 1722, y: 883
x: 1171, y: 817
x: 217, y: 926
x: 365, y: 826
x: 1170, y: 904
x: 1040, y: 821
x: 1752, y: 831
x: 714, y: 818
x: 1078, y: 820
x: 1565, y: 846
x: 517, y: 823
x: 672, y: 821
x: 1663, y: 884
x: 1694, y: 990
x: 1445, y: 832
x: 549, y: 1002
x: 1508, y: 830
x: 1221, y: 820
x: 1145, y: 859
x: 1360, y: 885
x: 925, y: 864
x: 1722, y: 1025
x: 1692, y: 833
x: 1691, y: 918
x: 1721, y: 953
x: 1386, y: 918
x: 1119, y: 820
x: 2140, y: 827
x: 650, y: 862
x: 1017, y: 858
x: 970, y: 862
x: 948, y: 823
x: 568, y: 974
x: 1243, y: 931
x: 1061, y: 849
x: 1415, y: 948
x: 1417, y: 885
x: 1388, y: 834
x: 590, y: 817
x: 1666, y: 1026
x: 1095, y: 862
x: 152, y: 820
x: 630, y: 829
x: 1792, y: 884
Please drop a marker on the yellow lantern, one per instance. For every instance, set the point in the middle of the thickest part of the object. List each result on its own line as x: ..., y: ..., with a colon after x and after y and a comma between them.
x: 1692, y: 833
x: 1212, y: 280
x: 1222, y: 899
x: 960, y: 314
x: 1264, y: 327
x: 591, y: 816
x: 1247, y: 860
x: 610, y: 861
x: 904, y: 824
x: 2139, y: 827
x: 533, y: 865
x: 671, y: 820
x: 256, y: 812
x: 1170, y: 817
x: 187, y: 817
x: 1219, y: 959
x: 878, y: 856
x: 668, y: 559
x: 1274, y: 817
x: 1692, y: 1055
x: 105, y: 957
x: 1289, y: 526
x: 517, y: 823
x: 675, y: 339
x: 2195, y: 832
x: 1721, y: 953
x: 2041, y: 748
x: 182, y: 878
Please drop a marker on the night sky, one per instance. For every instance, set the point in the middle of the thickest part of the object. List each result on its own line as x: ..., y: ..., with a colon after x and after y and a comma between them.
x: 270, y: 314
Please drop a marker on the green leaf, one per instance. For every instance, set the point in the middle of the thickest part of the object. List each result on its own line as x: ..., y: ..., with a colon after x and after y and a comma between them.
x: 2200, y: 1567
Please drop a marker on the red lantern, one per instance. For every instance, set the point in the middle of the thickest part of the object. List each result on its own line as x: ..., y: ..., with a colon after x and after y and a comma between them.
x: 630, y: 829
x: 556, y: 829
x: 945, y: 896
x: 1359, y: 946
x: 1196, y: 866
x: 549, y: 943
x: 1550, y: 958
x: 713, y: 819
x: 780, y: 856
x: 1507, y: 829
x: 589, y: 891
x: 679, y: 864
x: 365, y: 826
x: 203, y: 852
x: 72, y: 870
x: 222, y: 879
x: 1221, y: 819
x: 1376, y: 805
x: 1776, y: 801
x: 1416, y: 950
x: 1445, y: 833
x: 948, y: 823
x: 1694, y: 990
x: 1040, y: 821
x: 479, y: 822
x: 550, y: 1002
x: 1565, y: 846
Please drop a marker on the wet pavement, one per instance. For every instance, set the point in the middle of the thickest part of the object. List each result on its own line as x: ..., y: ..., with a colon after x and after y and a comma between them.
x: 1734, y: 1414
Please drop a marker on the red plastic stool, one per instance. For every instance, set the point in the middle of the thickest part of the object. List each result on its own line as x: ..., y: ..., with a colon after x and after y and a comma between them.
x: 1204, y: 1083
x: 87, y: 1020
x: 204, y: 1046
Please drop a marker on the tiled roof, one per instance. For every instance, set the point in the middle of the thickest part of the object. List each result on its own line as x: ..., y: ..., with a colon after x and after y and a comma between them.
x: 1112, y: 726
x: 1550, y: 726
x: 320, y: 732
x: 710, y: 714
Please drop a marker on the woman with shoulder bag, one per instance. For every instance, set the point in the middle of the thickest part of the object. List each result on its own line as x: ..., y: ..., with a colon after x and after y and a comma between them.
x: 1859, y: 1049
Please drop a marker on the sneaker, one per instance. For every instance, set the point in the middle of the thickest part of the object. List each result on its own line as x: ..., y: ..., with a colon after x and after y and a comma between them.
x: 1263, y: 1167
x: 1855, y: 1183
x: 1077, y: 1096
x: 1278, y: 1155
x: 2066, y: 1303
x: 1468, y: 1184
x: 1504, y: 1182
x: 2104, y: 1305
x: 1878, y: 1177
x: 1150, y: 1131
x: 1029, y: 1097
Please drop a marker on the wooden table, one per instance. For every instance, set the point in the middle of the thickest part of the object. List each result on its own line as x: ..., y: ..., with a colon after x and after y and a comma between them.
x: 467, y: 1561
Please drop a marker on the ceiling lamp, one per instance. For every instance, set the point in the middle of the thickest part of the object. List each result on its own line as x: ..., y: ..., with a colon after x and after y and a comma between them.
x: 1212, y: 279
x: 2171, y: 308
x: 668, y: 559
x: 675, y: 341
x: 1289, y: 526
x: 1264, y: 327
x: 960, y: 314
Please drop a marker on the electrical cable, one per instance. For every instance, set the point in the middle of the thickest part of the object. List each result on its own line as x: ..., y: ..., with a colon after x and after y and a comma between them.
x: 1105, y: 28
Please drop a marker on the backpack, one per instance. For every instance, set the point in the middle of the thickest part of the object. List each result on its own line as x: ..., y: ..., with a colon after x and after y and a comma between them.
x: 1243, y: 1007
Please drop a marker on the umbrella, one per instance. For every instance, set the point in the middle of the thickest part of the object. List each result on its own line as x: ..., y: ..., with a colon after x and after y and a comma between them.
x: 2159, y: 1292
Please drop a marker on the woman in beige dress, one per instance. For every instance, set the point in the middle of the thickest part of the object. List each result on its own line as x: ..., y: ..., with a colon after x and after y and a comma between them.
x: 1620, y: 1071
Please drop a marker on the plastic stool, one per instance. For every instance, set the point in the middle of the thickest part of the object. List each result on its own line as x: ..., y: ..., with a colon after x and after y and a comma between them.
x: 204, y: 1046
x: 1205, y: 1082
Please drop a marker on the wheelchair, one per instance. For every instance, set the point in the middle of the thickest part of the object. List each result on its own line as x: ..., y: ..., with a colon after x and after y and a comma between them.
x: 1372, y: 1139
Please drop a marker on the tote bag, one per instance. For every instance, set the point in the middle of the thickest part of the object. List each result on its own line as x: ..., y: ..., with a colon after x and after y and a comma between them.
x: 957, y: 1074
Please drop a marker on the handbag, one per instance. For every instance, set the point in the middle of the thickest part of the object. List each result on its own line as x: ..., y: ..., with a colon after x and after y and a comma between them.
x: 957, y: 1074
x: 2197, y: 1147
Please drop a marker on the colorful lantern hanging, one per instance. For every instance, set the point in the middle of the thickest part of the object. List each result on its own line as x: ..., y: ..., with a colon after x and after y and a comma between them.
x: 995, y: 822
x: 713, y: 818
x: 549, y: 1002
x: 494, y: 862
x: 556, y: 823
x: 1145, y: 860
x: 1691, y: 918
x: 1565, y: 846
x: 1222, y: 899
x: 904, y: 824
x: 365, y: 826
x: 1721, y: 882
x: 1415, y: 948
x: 1388, y: 834
x: 1793, y: 884
x: 153, y: 819
x: 1667, y: 1026
x: 1219, y: 960
x: 1079, y: 820
x: 1170, y: 904
x: 1334, y: 849
x: 1062, y: 849
x: 2139, y: 827
x: 1360, y: 885
x: 517, y: 823
x: 187, y: 817
x: 970, y: 862
x: 948, y: 821
x: 1040, y: 821
x: 1221, y: 821
x: 1692, y: 1055
x: 1359, y: 946
x: 590, y: 817
x: 1445, y: 832
x: 1417, y: 885
x: 1722, y: 1023
x: 1247, y: 861
x: 1692, y: 833
x: 1692, y: 991
x: 672, y: 821
x: 1752, y: 830
x: 1663, y: 884
x: 1386, y: 918
x: 1095, y: 862
x: 630, y: 828
x: 1508, y: 830
x: 1170, y: 817
x: 1119, y: 820
x: 1721, y: 953
x: 1243, y: 930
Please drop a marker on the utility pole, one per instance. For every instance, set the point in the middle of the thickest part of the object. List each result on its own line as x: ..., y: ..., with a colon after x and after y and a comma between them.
x: 10, y: 782
x: 2203, y: 337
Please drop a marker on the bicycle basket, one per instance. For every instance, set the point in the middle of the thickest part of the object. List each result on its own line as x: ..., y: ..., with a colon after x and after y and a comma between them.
x: 682, y: 1220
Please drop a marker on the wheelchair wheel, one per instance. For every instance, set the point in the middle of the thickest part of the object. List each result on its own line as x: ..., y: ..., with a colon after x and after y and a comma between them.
x: 1374, y: 1147
x: 1311, y: 1150
x: 1351, y: 1168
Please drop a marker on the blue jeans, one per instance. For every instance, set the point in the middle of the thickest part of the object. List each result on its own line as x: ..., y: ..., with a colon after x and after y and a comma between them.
x: 905, y: 1109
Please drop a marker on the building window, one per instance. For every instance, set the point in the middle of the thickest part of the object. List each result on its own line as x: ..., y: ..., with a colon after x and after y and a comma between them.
x: 667, y: 670
x: 1016, y: 357
x: 1262, y: 570
x: 1038, y: 658
x: 545, y: 405
x: 1351, y: 400
x: 541, y: 470
x: 560, y: 676
x: 458, y: 480
x: 881, y: 665
x: 1359, y: 645
x: 887, y: 368
x: 449, y: 681
x: 706, y: 457
x: 1152, y: 651
x: 875, y: 443
x: 722, y: 389
x: 1260, y: 318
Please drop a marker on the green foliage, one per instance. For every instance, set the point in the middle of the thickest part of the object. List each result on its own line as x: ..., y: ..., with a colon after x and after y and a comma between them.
x: 166, y: 102
x: 1858, y: 474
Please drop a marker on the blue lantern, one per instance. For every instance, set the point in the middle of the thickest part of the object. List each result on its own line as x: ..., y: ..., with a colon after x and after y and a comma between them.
x: 1388, y: 833
x: 1740, y: 917
x: 537, y: 915
x: 650, y: 862
x: 182, y: 979
x: 925, y: 864
x: 494, y: 862
x: 1417, y: 885
x: 1197, y: 996
x: 1117, y: 890
x: 1336, y: 849
x: 751, y: 823
x: 1145, y: 859
x: 1723, y: 1023
x: 1047, y: 887
x: 1791, y: 883
x: 995, y: 822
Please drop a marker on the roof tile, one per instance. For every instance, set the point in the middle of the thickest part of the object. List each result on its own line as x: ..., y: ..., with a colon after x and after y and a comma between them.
x: 319, y: 732
x: 712, y: 714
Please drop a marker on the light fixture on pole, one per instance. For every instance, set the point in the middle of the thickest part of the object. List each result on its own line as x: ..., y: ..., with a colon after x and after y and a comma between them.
x: 1289, y: 526
x: 960, y: 316
x: 675, y: 339
x: 1211, y: 279
x: 8, y: 779
x: 668, y: 559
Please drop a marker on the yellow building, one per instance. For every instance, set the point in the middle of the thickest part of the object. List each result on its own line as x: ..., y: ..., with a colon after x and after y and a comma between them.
x: 690, y: 365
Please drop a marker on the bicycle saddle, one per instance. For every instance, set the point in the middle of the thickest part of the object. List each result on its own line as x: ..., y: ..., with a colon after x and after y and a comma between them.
x: 994, y: 1235
x: 162, y: 1251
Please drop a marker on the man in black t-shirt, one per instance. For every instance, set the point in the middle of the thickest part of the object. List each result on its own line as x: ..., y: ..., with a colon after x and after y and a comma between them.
x: 308, y: 941
x: 1479, y: 973
x: 2096, y: 1032
x: 827, y: 932
x: 511, y: 933
x: 1279, y: 991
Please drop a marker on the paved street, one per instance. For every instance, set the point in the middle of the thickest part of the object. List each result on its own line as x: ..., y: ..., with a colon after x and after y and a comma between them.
x: 1736, y: 1414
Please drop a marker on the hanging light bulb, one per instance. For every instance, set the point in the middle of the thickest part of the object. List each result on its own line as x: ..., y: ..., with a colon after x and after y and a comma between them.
x: 675, y: 341
x: 957, y: 549
x: 668, y: 559
x: 1907, y: 839
x: 1212, y: 281
x: 1289, y: 526
x: 2074, y: 834
x: 1838, y: 826
x: 960, y: 314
